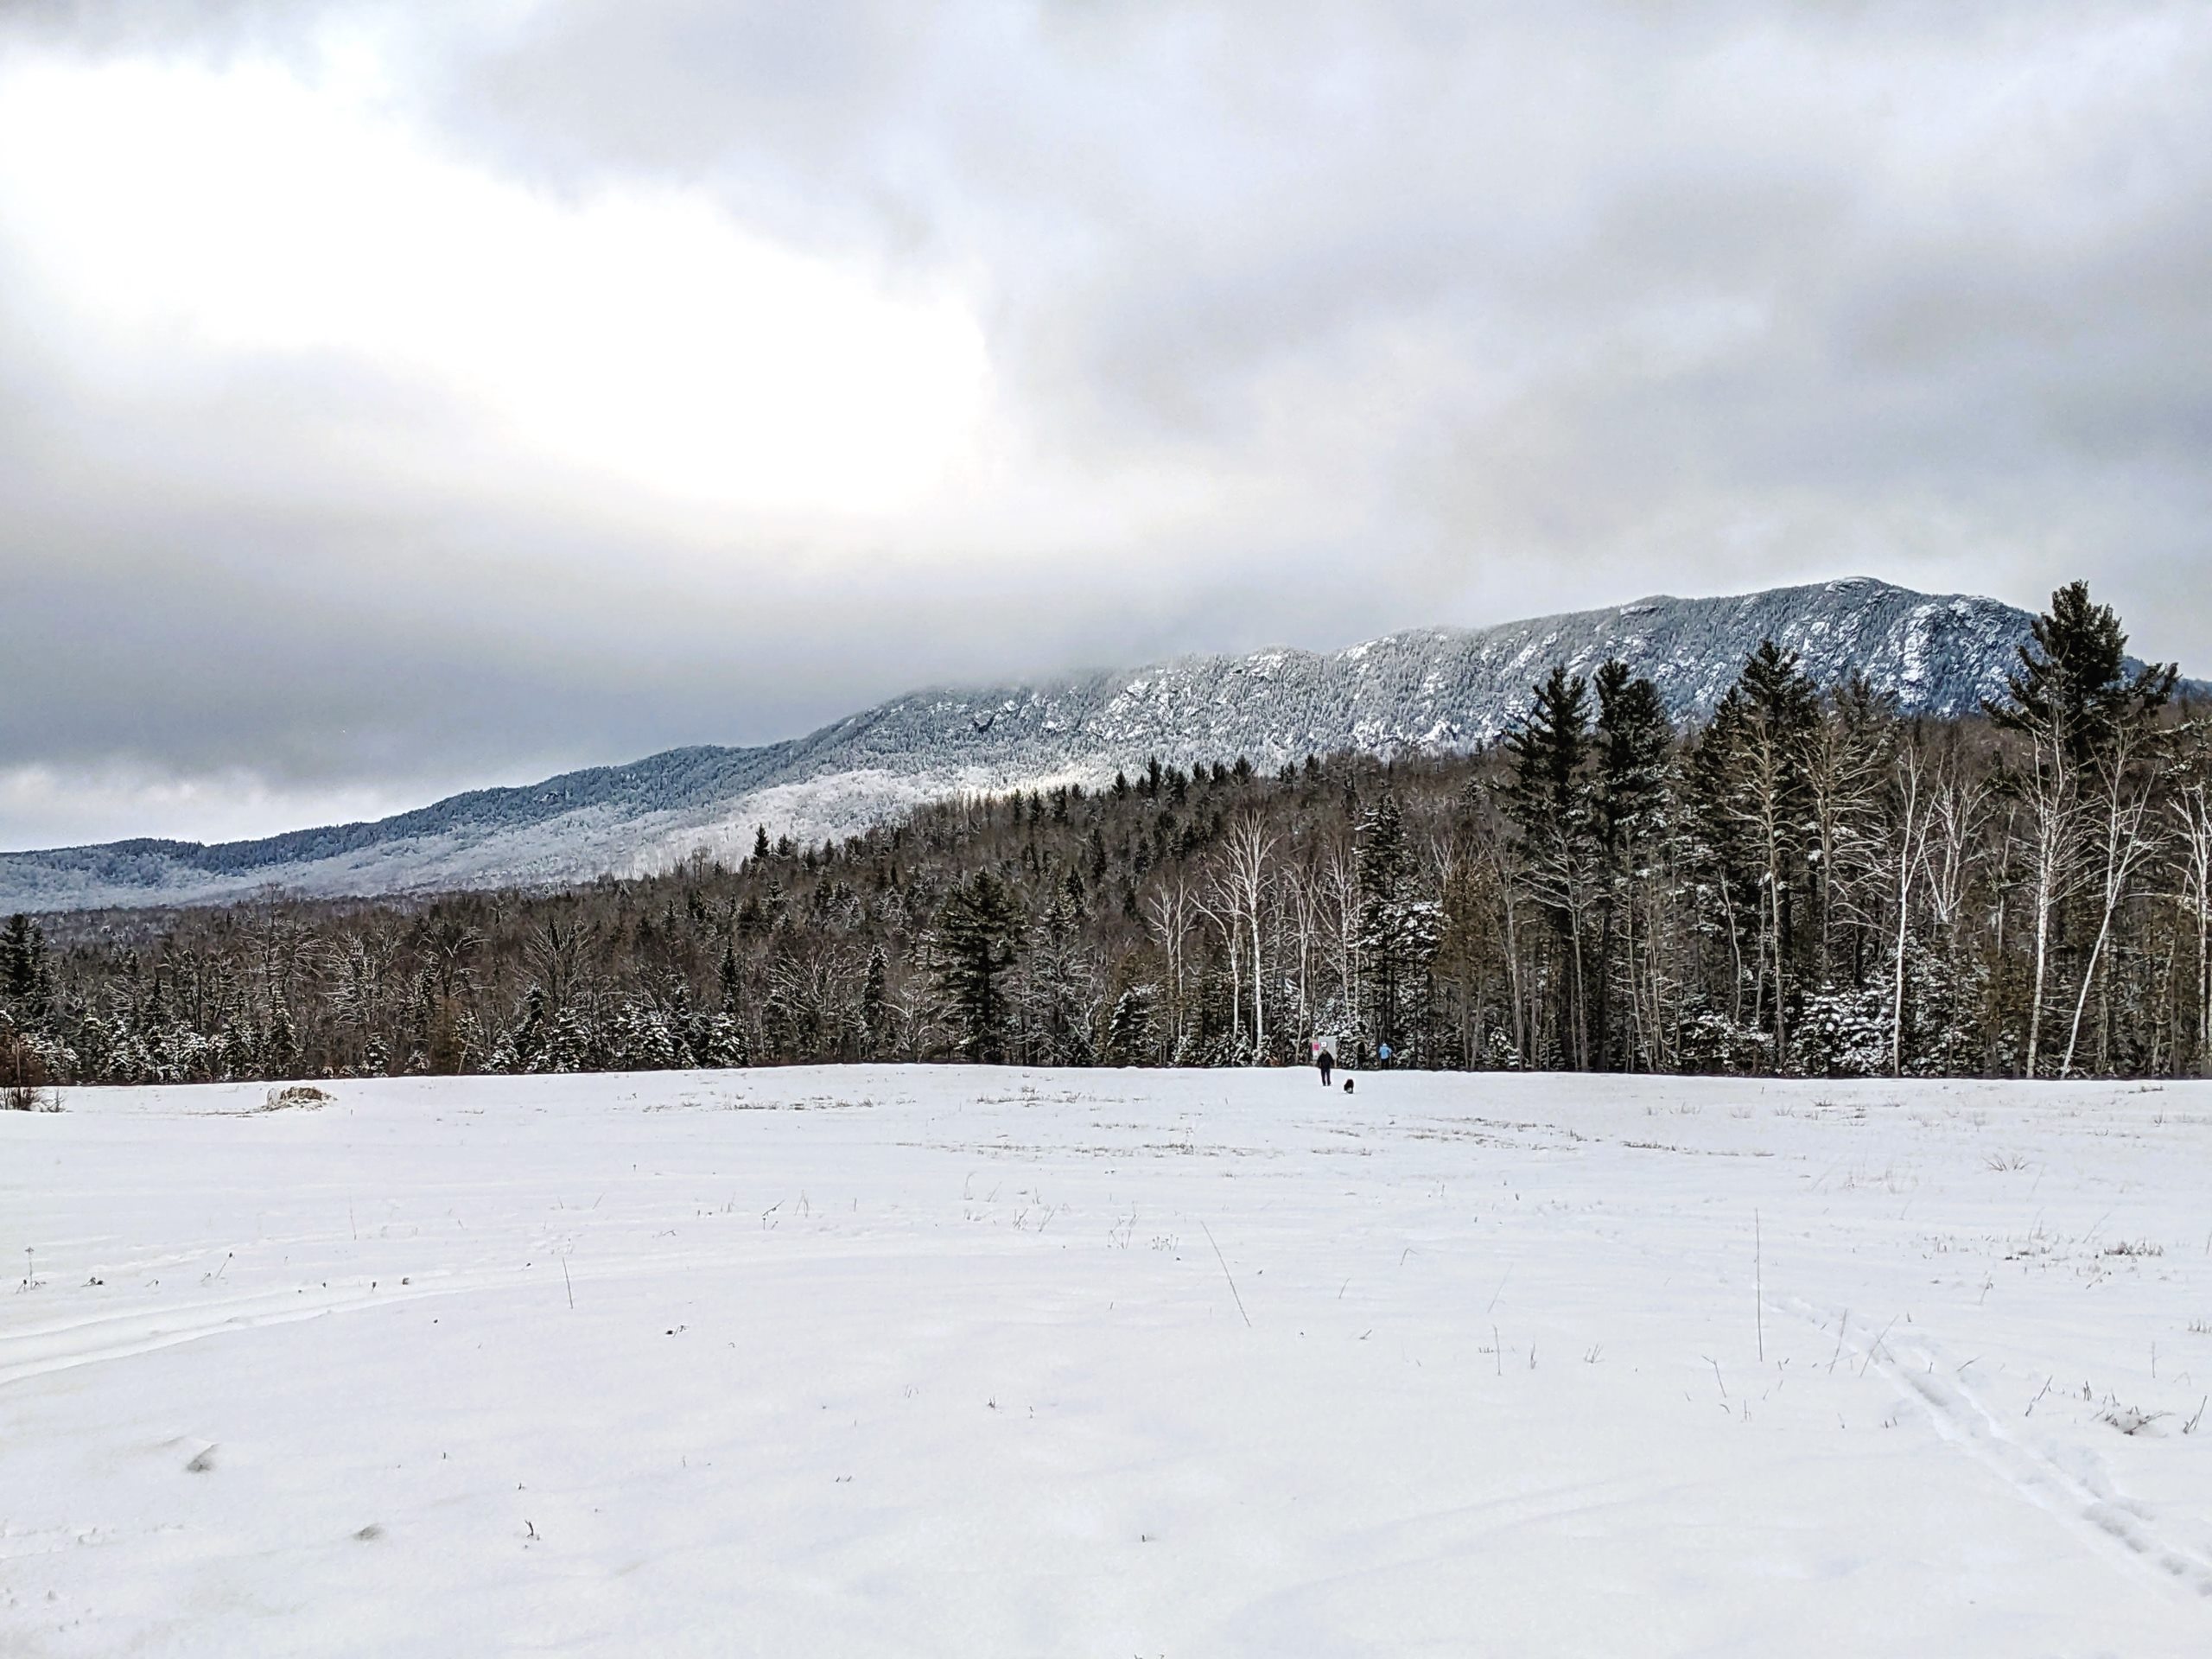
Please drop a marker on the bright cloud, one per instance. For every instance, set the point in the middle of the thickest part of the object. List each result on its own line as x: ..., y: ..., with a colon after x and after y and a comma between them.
x: 186, y: 210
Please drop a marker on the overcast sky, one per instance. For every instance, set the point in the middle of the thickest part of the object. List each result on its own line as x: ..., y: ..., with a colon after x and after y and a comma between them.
x: 397, y: 398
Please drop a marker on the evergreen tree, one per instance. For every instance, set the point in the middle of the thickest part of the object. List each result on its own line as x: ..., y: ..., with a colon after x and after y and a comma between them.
x: 1130, y: 1034
x: 1751, y: 802
x: 569, y: 1047
x: 1550, y: 799
x: 280, y: 1043
x: 1390, y: 944
x: 721, y: 1044
x: 1635, y: 739
x: 730, y: 977
x: 974, y: 946
x: 875, y: 1005
x: 2073, y: 683
x: 1058, y: 987
x: 25, y: 973
x: 526, y: 1042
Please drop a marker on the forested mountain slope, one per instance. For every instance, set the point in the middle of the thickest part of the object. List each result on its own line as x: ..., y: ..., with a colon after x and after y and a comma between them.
x: 1807, y: 883
x: 1430, y: 688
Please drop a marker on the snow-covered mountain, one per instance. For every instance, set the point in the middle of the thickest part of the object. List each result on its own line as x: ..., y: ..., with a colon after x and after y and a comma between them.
x: 1428, y: 687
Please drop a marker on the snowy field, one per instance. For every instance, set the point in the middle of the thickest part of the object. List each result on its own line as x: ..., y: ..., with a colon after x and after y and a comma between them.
x: 960, y: 1361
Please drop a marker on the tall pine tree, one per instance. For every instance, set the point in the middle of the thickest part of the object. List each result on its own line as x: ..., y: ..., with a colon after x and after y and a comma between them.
x: 1549, y: 799
x: 974, y: 945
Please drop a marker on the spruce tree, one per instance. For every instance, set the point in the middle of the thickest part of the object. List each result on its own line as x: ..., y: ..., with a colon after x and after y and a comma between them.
x: 974, y: 947
x: 730, y: 979
x: 1057, y: 987
x: 528, y: 1039
x: 1388, y: 945
x: 1749, y: 806
x: 1549, y: 798
x: 875, y: 998
x: 280, y: 1043
x: 25, y: 976
x: 1634, y: 741
x: 1129, y: 1033
x: 1781, y: 709
x: 2073, y: 685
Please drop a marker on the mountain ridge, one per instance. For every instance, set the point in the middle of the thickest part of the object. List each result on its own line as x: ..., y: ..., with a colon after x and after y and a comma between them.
x: 1424, y: 687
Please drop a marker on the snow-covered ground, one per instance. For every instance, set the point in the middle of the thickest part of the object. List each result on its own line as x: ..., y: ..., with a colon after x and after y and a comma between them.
x: 966, y: 1361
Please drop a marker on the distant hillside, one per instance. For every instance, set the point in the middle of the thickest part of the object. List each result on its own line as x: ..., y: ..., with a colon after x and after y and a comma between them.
x: 1427, y: 688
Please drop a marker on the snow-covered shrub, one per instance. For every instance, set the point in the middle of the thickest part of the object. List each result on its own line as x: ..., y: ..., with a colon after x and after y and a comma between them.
x: 1842, y: 1033
x: 1714, y: 1044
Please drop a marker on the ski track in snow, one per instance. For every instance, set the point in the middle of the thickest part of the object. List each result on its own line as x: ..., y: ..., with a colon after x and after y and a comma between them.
x: 921, y: 1360
x: 1930, y: 1377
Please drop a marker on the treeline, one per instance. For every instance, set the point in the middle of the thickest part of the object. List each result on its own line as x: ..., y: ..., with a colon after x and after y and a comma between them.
x: 1808, y: 884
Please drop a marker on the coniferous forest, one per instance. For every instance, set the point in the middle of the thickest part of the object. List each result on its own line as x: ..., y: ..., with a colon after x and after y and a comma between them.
x: 1808, y: 884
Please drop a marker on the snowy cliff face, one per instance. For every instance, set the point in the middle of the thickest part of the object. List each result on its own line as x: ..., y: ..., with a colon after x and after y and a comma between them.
x: 1427, y: 688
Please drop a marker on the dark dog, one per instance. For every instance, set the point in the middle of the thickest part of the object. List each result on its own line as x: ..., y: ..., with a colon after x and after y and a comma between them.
x: 1347, y: 1085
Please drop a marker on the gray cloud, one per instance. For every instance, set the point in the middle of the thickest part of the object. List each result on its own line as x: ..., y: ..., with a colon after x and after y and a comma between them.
x: 1303, y: 321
